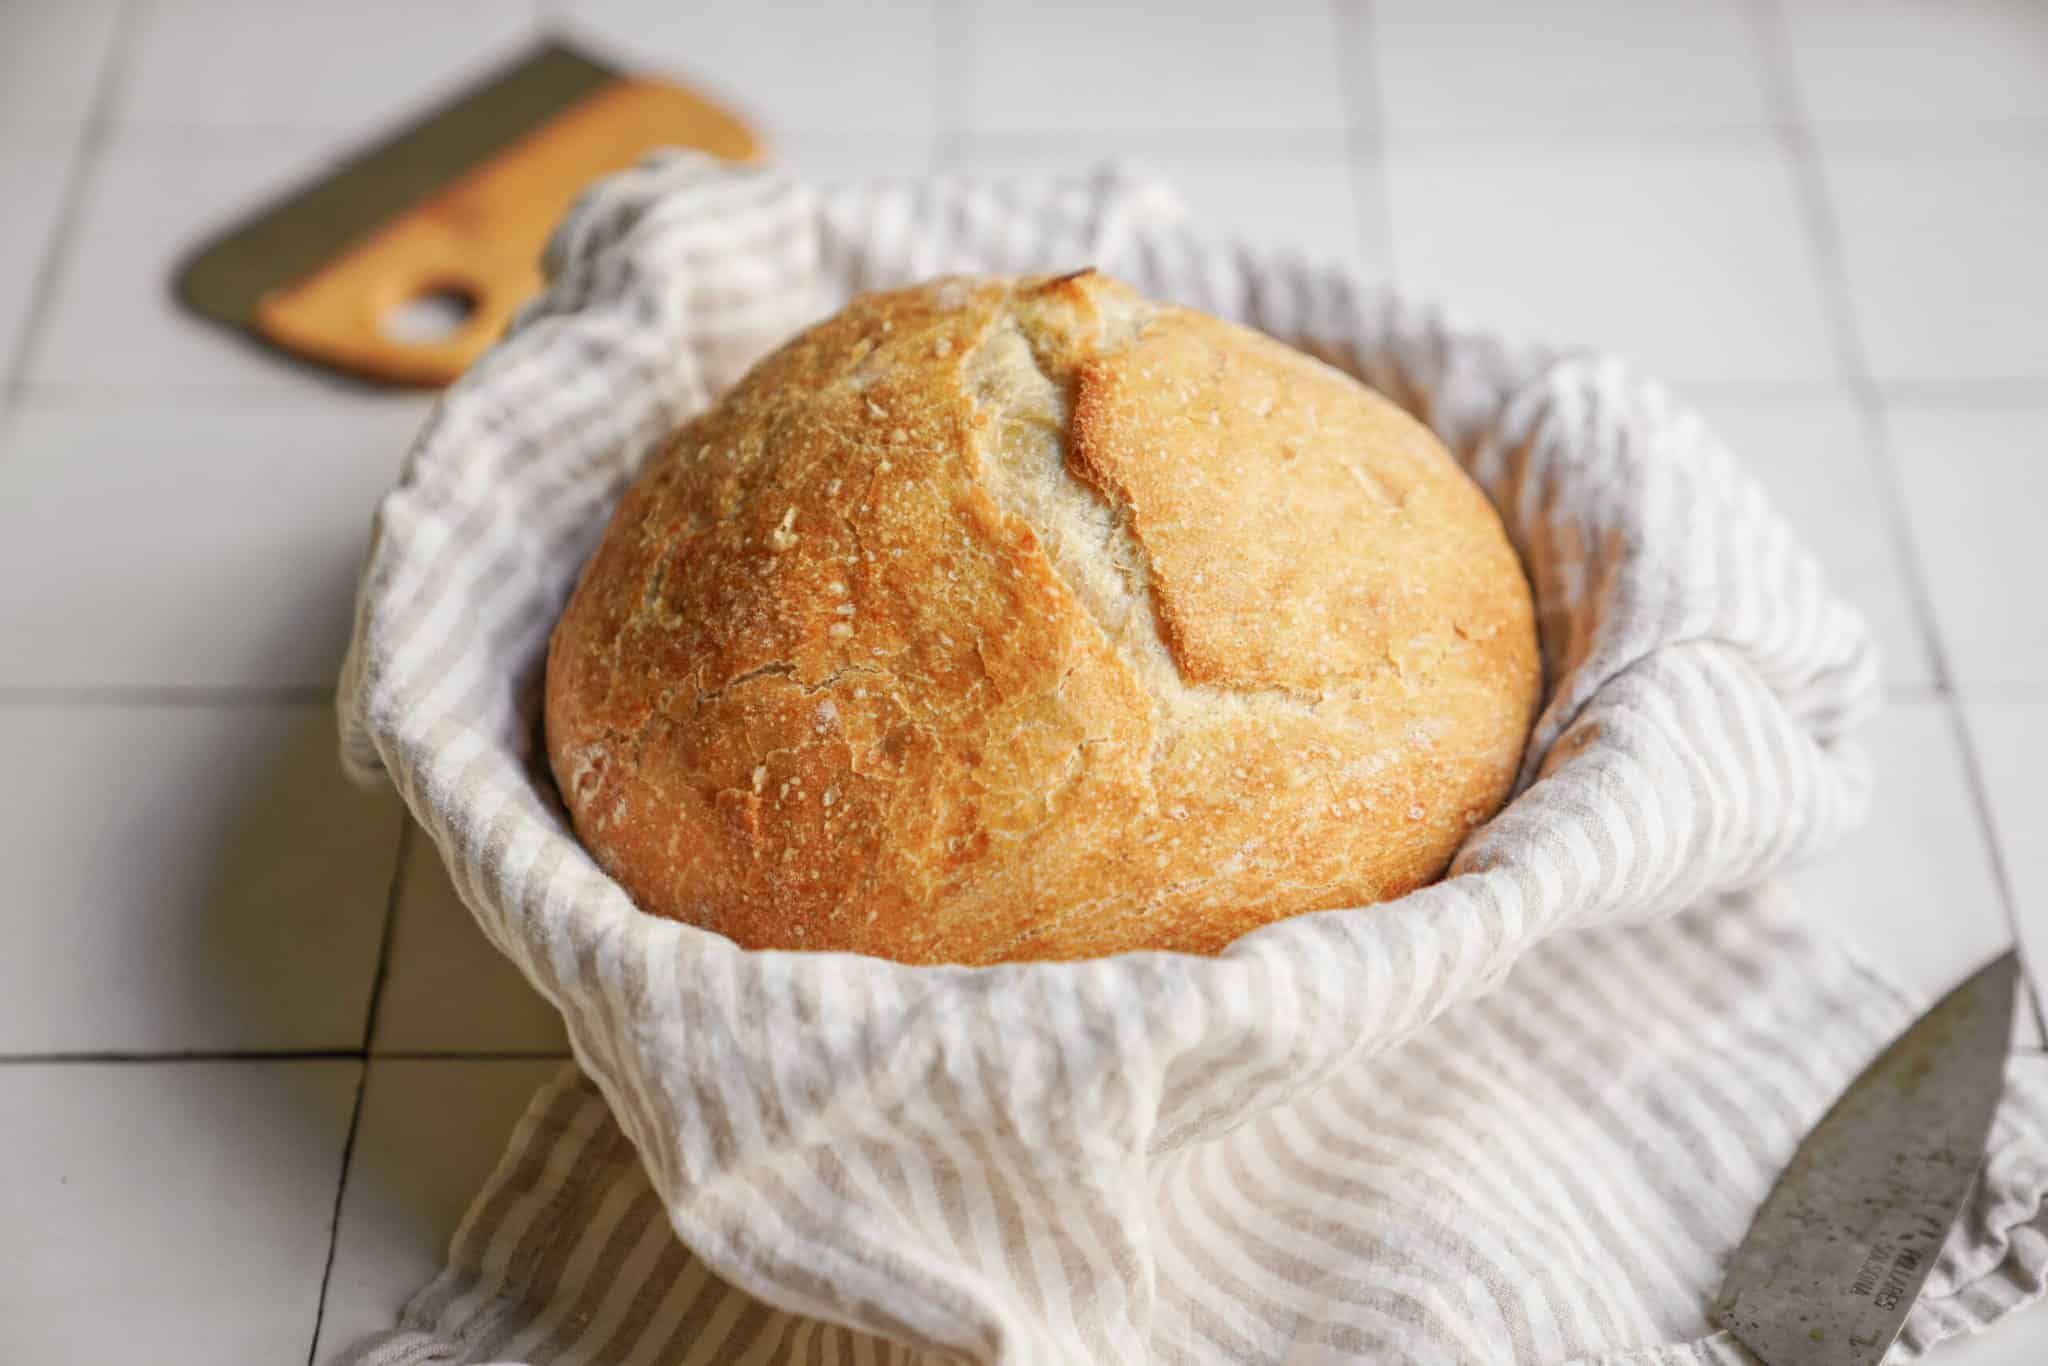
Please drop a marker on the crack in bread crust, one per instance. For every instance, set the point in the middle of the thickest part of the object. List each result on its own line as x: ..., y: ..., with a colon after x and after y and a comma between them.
x: 1023, y: 435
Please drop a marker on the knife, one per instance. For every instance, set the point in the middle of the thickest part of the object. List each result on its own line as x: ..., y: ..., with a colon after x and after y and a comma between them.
x: 1836, y: 1256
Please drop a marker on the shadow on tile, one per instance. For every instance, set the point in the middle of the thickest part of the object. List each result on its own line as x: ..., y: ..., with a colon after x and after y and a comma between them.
x: 303, y: 860
x: 188, y: 877
x: 447, y: 989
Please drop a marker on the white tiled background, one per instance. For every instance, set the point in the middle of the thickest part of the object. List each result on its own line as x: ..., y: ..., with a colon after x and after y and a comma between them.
x: 257, y: 1058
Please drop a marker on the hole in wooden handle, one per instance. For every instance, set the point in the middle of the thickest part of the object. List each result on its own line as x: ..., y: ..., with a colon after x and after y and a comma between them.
x: 432, y: 314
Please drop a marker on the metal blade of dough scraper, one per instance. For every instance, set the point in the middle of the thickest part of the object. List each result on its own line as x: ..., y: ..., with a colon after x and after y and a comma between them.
x: 290, y: 237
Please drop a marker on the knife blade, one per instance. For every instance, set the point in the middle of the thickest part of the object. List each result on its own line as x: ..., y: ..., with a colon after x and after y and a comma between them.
x: 1837, y: 1253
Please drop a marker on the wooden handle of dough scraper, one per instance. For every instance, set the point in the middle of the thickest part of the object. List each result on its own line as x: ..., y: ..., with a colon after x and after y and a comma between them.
x: 479, y: 239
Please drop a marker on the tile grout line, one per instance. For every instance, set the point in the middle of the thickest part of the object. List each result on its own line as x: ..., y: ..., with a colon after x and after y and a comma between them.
x: 348, y: 1148
x: 1223, y: 145
x: 486, y: 1055
x: 951, y: 36
x: 1824, y: 231
x: 172, y: 695
x: 400, y: 857
x: 1365, y: 116
x: 1987, y: 823
x: 320, y: 396
x: 1827, y: 257
x: 399, y: 865
x: 86, y: 158
x: 95, y: 1057
x: 2022, y: 392
x: 2005, y: 693
x: 286, y: 1055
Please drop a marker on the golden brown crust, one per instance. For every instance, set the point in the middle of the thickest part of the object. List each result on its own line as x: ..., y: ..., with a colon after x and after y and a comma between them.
x: 997, y: 619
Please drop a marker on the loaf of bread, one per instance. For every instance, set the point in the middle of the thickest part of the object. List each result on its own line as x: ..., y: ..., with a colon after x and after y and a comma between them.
x: 999, y: 619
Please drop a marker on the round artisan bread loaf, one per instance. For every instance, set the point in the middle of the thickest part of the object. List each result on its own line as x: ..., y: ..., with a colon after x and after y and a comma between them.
x: 997, y: 619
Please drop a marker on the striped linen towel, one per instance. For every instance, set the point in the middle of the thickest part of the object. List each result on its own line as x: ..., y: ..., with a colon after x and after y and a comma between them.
x: 1266, y: 1156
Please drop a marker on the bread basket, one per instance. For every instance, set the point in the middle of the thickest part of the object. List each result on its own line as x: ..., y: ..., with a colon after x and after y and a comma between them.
x: 883, y: 1146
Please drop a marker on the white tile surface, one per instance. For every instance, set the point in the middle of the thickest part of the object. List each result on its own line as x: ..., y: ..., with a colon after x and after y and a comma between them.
x: 2011, y: 739
x: 165, y: 546
x: 1942, y: 249
x: 326, y: 64
x: 1913, y: 891
x: 1566, y: 64
x: 50, y: 60
x: 1692, y: 261
x: 154, y: 196
x: 2019, y: 1341
x: 829, y: 158
x: 446, y: 990
x: 1307, y: 198
x: 1976, y: 480
x: 177, y: 1212
x: 1811, y: 456
x: 430, y: 1135
x: 1149, y: 64
x: 184, y: 878
x: 790, y: 66
x: 33, y: 172
x: 1891, y: 62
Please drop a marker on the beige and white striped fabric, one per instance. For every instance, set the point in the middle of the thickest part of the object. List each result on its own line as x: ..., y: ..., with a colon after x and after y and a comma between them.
x: 1540, y: 1176
x: 1152, y: 1157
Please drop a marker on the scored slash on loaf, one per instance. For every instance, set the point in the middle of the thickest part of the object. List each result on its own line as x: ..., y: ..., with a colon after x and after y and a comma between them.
x: 996, y: 619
